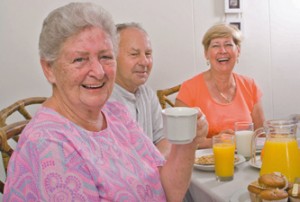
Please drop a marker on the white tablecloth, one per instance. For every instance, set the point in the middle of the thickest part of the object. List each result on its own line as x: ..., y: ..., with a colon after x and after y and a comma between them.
x: 205, y: 188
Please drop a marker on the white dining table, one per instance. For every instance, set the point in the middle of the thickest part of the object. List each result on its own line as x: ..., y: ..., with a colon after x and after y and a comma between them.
x: 205, y: 188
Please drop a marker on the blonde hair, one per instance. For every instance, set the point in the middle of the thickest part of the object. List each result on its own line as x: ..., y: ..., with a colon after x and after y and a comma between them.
x: 222, y: 30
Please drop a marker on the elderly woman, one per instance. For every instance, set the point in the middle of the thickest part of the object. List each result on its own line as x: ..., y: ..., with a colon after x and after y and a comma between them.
x: 224, y: 96
x: 78, y: 146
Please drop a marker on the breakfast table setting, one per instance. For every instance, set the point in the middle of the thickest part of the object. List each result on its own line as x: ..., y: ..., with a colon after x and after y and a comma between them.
x: 274, y: 152
x: 204, y: 186
x: 253, y: 165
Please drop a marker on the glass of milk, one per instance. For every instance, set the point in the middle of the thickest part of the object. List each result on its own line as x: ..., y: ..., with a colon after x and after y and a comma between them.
x: 243, y: 135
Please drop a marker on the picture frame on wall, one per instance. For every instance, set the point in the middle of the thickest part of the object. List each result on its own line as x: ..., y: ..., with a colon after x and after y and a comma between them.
x: 236, y: 22
x: 233, y: 6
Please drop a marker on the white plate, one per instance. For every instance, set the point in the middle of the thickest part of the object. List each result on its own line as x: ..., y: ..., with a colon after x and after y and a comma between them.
x: 202, y: 152
x: 257, y: 164
x: 241, y: 196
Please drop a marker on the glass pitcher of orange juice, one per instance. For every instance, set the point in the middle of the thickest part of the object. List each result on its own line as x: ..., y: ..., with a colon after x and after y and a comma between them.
x: 280, y: 151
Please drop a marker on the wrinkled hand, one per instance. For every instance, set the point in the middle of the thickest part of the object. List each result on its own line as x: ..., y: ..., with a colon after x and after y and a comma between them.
x: 202, y: 126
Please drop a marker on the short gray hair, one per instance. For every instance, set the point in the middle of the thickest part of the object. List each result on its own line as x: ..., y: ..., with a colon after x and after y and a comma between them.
x: 123, y: 26
x: 69, y: 20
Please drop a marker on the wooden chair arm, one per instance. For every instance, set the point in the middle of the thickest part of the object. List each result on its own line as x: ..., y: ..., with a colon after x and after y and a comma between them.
x: 163, y: 96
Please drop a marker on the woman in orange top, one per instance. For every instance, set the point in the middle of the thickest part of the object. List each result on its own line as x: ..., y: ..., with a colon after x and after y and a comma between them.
x: 224, y: 97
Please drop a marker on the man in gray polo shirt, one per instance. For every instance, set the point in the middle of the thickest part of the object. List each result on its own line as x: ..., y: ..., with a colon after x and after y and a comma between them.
x: 134, y: 64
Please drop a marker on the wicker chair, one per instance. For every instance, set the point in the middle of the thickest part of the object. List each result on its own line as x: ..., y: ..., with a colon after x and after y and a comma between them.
x: 12, y: 130
x: 19, y: 106
x: 163, y: 96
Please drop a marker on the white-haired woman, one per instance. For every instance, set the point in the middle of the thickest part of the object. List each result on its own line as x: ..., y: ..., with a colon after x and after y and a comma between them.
x: 78, y: 146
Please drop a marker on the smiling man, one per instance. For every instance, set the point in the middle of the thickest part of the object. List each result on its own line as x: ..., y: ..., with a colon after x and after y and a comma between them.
x: 134, y: 65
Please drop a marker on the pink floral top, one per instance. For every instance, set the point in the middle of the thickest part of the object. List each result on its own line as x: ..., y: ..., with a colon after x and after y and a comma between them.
x: 56, y: 160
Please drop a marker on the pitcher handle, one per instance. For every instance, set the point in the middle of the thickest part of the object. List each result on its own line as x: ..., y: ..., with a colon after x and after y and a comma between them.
x: 258, y: 132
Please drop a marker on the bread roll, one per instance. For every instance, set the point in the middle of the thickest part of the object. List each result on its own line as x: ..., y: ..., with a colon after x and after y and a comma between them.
x: 274, y: 195
x: 254, y: 190
x: 273, y: 181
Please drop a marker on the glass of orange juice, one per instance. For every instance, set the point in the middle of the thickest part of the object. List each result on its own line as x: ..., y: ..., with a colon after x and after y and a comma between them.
x: 223, y: 149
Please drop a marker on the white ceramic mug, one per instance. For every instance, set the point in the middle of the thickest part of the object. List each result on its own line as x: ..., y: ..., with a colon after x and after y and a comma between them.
x: 180, y: 124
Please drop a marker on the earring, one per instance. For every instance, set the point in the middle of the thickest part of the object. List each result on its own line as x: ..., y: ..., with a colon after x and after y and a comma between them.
x: 237, y: 61
x: 207, y: 62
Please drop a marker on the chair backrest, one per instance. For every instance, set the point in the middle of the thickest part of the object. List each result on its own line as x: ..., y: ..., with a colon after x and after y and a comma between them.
x: 163, y: 96
x: 12, y: 130
x: 19, y: 106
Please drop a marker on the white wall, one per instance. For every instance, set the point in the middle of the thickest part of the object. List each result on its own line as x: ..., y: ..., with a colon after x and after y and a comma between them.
x: 21, y: 23
x: 285, y: 50
x: 270, y: 49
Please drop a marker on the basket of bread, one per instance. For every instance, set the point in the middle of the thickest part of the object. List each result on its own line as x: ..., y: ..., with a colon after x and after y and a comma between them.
x: 274, y: 187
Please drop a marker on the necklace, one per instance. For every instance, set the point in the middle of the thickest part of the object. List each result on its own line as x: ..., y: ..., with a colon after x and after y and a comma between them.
x: 227, y: 99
